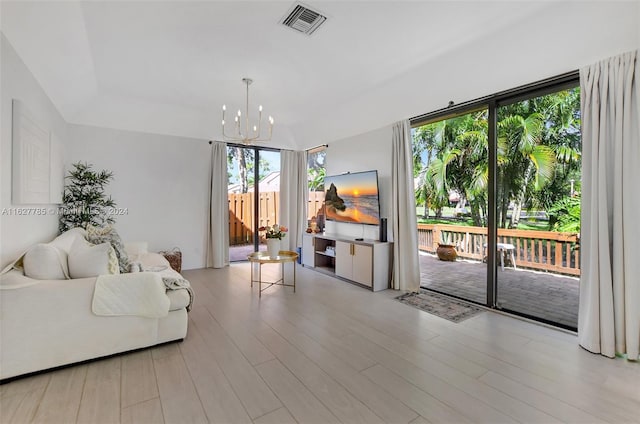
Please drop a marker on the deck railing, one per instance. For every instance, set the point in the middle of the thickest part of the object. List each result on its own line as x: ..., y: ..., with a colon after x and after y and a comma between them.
x: 541, y: 250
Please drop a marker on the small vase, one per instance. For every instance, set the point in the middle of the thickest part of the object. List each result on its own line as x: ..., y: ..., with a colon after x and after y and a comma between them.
x: 273, y: 247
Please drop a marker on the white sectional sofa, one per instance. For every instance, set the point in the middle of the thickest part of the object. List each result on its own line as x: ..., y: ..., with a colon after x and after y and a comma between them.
x: 50, y: 323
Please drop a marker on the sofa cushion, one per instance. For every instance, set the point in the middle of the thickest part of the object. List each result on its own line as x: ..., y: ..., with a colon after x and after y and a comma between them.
x: 45, y: 262
x: 136, y: 248
x: 65, y: 240
x: 88, y: 260
x: 108, y: 234
x: 153, y: 259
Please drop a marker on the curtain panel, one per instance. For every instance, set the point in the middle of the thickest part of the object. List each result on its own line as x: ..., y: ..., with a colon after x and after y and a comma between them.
x: 609, y: 314
x: 218, y: 222
x: 406, y: 268
x: 294, y: 194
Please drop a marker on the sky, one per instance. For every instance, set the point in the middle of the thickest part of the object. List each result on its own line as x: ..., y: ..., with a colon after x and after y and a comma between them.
x: 356, y: 184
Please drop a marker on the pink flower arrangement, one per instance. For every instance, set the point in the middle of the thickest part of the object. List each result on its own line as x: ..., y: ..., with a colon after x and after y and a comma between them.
x: 274, y: 231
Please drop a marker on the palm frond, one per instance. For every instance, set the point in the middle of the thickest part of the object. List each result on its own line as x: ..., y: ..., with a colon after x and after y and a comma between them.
x: 544, y: 160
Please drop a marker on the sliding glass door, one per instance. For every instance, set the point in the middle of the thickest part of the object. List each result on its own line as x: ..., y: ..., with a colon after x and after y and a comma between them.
x: 498, y: 182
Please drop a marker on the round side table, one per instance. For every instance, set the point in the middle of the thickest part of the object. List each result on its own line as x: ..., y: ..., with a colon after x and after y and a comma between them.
x: 262, y: 258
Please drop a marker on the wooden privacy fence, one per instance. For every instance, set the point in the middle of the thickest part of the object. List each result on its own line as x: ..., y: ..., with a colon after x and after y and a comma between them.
x: 541, y: 250
x: 241, y: 213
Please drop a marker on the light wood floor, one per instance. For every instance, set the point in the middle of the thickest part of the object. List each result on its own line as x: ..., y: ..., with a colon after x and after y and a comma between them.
x: 333, y: 352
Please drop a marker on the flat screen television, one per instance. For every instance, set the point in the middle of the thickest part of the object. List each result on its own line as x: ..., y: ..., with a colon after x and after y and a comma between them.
x: 352, y: 197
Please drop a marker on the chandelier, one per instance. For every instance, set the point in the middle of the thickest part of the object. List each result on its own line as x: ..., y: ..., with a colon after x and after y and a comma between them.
x: 243, y: 132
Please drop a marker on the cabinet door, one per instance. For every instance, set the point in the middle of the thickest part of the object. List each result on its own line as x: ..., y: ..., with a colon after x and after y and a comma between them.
x: 308, y: 254
x: 344, y: 261
x: 363, y: 265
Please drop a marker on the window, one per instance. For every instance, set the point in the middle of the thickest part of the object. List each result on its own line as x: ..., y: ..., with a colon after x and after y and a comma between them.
x: 316, y: 172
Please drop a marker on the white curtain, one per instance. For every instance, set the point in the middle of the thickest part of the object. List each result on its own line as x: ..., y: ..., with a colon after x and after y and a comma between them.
x: 294, y: 196
x: 218, y: 222
x: 406, y: 269
x: 609, y: 317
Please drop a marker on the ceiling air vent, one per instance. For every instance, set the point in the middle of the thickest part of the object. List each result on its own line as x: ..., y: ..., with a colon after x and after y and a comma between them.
x: 303, y: 19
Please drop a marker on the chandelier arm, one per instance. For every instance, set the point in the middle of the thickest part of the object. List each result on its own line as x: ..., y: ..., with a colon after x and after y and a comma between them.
x: 229, y: 137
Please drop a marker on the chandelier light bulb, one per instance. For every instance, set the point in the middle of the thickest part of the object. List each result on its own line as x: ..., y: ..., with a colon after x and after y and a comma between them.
x: 255, y: 129
x: 260, y: 108
x: 223, y: 122
x: 224, y: 107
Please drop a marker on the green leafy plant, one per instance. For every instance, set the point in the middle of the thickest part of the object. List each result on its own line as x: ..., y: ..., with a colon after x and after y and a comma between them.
x: 565, y: 215
x: 84, y: 199
x: 316, y: 179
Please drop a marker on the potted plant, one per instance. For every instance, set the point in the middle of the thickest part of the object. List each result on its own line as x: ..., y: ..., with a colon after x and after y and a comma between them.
x: 445, y: 250
x: 274, y: 234
x: 84, y: 199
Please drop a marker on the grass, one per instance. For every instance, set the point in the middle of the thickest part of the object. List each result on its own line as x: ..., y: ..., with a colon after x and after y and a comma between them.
x: 533, y: 225
x: 448, y: 217
x: 450, y: 221
x: 522, y: 225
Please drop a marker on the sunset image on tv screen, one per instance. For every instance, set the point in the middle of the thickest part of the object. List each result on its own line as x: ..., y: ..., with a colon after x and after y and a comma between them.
x: 352, y: 198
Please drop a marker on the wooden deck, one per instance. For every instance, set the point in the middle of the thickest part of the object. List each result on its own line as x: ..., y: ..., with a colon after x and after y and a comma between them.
x: 543, y: 295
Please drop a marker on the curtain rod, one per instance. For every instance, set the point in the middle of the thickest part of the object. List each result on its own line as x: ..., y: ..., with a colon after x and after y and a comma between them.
x: 317, y: 147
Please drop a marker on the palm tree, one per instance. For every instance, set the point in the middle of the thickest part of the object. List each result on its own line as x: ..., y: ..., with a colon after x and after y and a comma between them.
x: 427, y: 140
x: 243, y: 157
x: 534, y: 136
x: 525, y: 159
x: 471, y: 178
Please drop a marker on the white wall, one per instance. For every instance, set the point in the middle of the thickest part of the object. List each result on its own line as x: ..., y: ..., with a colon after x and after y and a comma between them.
x: 18, y: 232
x: 561, y: 37
x: 364, y: 152
x: 162, y: 181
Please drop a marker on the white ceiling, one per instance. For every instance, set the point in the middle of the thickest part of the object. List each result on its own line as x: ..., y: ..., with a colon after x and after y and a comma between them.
x: 167, y: 67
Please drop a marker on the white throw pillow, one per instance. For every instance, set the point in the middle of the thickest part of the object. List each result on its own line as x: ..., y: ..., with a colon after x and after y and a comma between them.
x: 91, y: 260
x: 109, y: 234
x: 65, y: 240
x: 45, y: 262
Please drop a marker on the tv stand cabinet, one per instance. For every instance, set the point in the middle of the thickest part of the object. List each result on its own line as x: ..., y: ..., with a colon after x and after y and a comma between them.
x: 367, y: 263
